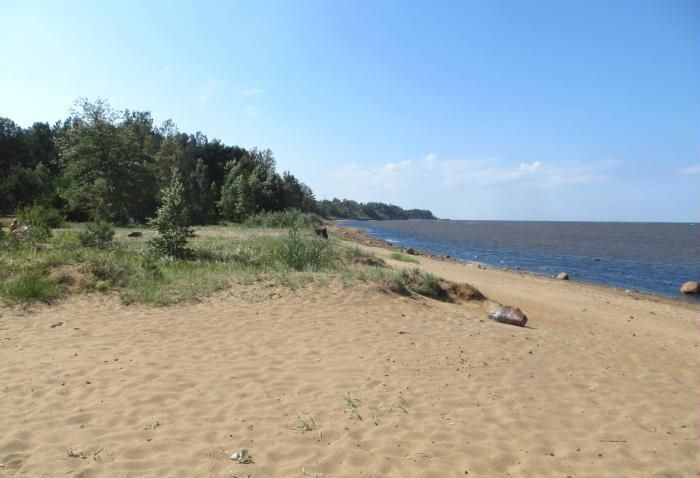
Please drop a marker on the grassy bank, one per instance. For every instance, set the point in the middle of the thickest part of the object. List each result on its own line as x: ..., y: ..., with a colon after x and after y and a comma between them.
x: 44, y: 269
x: 277, y: 248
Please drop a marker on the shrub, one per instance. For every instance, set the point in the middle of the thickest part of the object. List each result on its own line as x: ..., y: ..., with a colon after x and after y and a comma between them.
x: 171, y: 222
x: 96, y: 234
x: 109, y: 269
x: 39, y: 232
x: 40, y: 215
x: 150, y: 266
x: 304, y: 254
x: 30, y: 286
x: 9, y: 242
x: 423, y: 283
x: 283, y: 219
x: 397, y: 256
x: 360, y: 257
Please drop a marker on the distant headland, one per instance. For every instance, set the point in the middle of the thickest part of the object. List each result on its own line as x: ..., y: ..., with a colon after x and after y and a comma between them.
x: 348, y: 209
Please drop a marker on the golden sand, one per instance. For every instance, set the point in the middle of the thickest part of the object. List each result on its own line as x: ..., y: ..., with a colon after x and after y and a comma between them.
x: 601, y: 383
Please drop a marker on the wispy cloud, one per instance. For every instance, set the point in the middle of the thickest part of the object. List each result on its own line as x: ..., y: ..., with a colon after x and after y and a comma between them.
x: 488, y: 172
x: 208, y: 88
x: 252, y: 92
x: 491, y: 172
x: 692, y: 169
x: 250, y: 111
x: 387, y: 177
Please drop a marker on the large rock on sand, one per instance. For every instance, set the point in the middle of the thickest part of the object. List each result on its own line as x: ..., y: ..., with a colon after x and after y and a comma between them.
x: 563, y: 276
x: 506, y: 314
x: 690, y: 287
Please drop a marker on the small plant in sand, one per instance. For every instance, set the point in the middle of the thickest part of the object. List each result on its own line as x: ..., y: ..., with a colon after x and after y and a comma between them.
x: 304, y: 425
x: 397, y: 256
x: 353, y: 406
x: 401, y: 404
x: 361, y: 257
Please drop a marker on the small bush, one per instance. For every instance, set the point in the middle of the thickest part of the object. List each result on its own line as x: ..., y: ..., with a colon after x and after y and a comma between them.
x: 150, y: 267
x: 40, y: 215
x: 304, y: 254
x: 39, y: 232
x: 420, y: 282
x: 172, y: 223
x: 30, y: 286
x: 397, y: 256
x: 360, y: 257
x: 109, y: 269
x: 9, y: 242
x: 283, y: 219
x: 96, y: 234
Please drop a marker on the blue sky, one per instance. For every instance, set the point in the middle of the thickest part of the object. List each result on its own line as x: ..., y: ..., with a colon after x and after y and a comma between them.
x: 547, y: 110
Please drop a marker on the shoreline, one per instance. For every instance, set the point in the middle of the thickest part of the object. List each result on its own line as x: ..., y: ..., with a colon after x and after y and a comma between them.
x: 361, y: 236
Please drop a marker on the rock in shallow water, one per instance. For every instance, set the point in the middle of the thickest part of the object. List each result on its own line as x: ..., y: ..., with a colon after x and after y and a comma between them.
x: 690, y: 287
x: 563, y: 276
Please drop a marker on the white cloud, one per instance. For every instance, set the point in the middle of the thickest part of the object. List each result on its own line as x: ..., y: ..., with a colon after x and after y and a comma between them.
x: 252, y: 92
x: 491, y: 172
x: 430, y: 160
x: 387, y: 177
x: 693, y: 169
x: 431, y: 172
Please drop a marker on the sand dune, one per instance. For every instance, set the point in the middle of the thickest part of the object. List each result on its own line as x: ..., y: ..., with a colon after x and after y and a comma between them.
x: 603, y: 383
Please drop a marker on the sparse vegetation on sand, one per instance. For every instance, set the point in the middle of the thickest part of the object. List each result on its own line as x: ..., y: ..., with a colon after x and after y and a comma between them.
x: 283, y: 219
x: 397, y: 256
x: 417, y: 281
x: 98, y: 258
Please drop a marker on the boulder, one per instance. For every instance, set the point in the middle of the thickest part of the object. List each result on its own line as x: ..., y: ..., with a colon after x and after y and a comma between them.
x: 506, y: 314
x: 411, y: 251
x: 135, y: 234
x: 563, y: 276
x: 690, y: 287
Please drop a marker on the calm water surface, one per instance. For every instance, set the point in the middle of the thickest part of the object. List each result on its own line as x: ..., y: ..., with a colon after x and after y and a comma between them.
x: 649, y: 257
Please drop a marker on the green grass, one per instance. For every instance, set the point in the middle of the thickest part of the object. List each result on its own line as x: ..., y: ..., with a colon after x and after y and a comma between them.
x: 283, y: 219
x: 28, y: 286
x: 220, y: 256
x: 407, y: 281
x: 305, y: 425
x: 397, y: 256
x: 353, y: 406
x: 32, y: 270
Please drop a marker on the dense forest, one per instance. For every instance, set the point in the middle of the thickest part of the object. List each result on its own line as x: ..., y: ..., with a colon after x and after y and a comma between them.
x: 104, y: 164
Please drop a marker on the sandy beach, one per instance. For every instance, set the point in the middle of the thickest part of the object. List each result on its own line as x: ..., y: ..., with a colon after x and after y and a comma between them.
x: 348, y: 380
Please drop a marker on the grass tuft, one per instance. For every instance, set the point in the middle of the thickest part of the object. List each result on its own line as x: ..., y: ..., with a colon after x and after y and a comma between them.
x: 353, y: 406
x: 30, y: 286
x: 397, y: 256
x: 304, y: 425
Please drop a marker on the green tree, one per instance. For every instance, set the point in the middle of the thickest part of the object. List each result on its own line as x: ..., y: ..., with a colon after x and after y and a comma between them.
x: 172, y: 222
x: 107, y: 170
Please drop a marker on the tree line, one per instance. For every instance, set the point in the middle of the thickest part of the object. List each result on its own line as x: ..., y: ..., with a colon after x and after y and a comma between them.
x: 110, y: 165
x: 348, y: 209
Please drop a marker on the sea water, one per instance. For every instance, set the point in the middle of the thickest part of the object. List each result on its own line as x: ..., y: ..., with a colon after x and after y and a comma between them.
x: 648, y: 257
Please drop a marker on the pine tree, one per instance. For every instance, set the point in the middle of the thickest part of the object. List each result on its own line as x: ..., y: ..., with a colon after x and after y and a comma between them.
x: 172, y: 222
